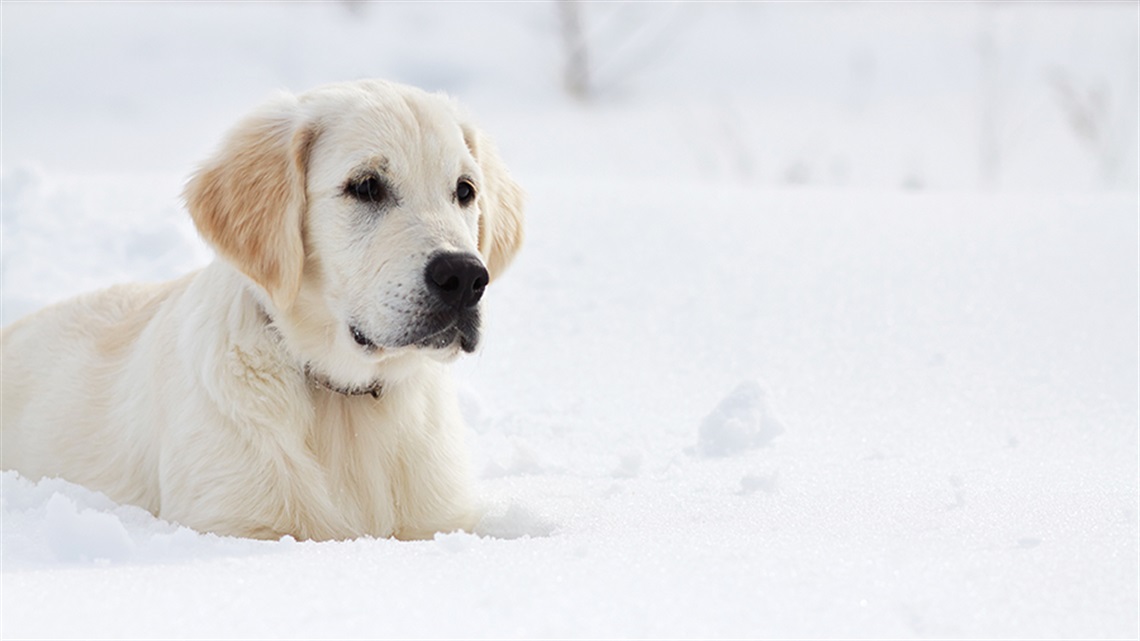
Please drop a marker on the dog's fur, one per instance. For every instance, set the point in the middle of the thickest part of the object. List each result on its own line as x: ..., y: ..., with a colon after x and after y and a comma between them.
x: 298, y: 385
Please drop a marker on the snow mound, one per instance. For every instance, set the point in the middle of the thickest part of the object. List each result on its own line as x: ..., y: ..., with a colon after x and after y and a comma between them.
x: 764, y: 483
x: 743, y: 420
x: 84, y: 535
x: 513, y: 457
x: 52, y: 521
x: 629, y: 465
x: 513, y: 521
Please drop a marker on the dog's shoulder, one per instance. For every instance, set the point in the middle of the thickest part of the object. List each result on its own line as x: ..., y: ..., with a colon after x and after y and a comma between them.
x: 110, y: 317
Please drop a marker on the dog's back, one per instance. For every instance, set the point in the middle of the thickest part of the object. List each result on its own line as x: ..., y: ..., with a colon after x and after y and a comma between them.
x: 63, y: 383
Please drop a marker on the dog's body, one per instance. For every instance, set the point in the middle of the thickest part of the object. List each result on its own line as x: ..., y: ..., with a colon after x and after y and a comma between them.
x: 298, y: 385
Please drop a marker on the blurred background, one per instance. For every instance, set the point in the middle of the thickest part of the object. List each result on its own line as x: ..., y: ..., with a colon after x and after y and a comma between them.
x: 910, y: 96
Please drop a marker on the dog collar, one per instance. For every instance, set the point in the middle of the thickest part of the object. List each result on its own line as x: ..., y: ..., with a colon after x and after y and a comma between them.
x: 322, y: 382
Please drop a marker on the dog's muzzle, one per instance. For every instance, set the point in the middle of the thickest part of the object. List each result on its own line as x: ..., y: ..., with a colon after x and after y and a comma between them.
x: 454, y: 284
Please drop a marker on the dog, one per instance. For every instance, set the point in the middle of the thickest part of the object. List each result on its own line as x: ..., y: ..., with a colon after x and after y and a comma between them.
x: 298, y: 385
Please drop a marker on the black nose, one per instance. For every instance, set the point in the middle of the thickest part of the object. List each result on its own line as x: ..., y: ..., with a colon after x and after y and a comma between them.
x: 457, y: 279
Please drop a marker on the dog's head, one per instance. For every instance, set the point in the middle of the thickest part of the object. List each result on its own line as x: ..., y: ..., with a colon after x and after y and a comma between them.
x: 370, y: 216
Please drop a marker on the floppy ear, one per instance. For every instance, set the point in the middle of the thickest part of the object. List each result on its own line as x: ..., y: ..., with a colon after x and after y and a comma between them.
x: 500, y: 205
x: 249, y: 198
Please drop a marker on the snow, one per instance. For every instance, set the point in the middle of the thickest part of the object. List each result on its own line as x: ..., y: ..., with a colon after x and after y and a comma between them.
x: 742, y: 421
x: 773, y: 361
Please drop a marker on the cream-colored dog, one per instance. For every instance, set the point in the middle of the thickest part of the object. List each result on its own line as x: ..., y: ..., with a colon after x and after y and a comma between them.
x: 298, y: 385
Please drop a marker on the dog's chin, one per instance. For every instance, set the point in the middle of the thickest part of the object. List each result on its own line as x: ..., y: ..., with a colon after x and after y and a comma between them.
x: 443, y: 346
x: 451, y: 341
x: 442, y: 334
x: 384, y: 358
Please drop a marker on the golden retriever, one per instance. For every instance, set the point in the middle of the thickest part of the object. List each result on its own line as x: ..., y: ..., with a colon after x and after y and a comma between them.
x: 298, y: 385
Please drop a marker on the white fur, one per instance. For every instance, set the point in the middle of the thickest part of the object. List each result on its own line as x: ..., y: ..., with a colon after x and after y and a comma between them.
x: 191, y: 398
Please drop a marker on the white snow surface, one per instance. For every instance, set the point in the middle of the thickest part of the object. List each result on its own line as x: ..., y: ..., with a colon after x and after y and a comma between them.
x: 769, y: 365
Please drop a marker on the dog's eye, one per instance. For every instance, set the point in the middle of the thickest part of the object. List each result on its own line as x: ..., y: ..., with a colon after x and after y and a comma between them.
x: 464, y: 192
x: 369, y: 189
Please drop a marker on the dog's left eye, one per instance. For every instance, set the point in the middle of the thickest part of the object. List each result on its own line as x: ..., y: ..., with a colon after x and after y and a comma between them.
x: 369, y: 189
x: 464, y: 192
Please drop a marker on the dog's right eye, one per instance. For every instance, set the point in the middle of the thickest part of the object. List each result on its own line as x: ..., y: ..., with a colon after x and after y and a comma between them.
x: 369, y: 189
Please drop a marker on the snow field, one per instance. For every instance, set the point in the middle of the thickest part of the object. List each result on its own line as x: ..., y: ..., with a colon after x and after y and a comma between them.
x: 952, y: 378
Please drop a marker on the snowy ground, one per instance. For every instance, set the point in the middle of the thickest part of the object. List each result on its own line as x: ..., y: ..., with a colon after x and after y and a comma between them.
x: 766, y: 367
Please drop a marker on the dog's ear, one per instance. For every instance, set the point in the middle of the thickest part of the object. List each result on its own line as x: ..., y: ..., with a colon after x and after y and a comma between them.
x: 248, y: 200
x: 500, y: 205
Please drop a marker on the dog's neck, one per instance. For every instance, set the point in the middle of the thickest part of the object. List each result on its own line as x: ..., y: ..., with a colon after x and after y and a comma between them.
x: 320, y: 381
